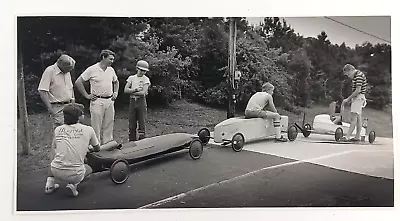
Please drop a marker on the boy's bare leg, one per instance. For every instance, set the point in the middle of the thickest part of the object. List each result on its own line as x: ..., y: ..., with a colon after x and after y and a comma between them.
x: 356, y: 110
x: 353, y: 124
x: 277, y: 125
x: 359, y: 126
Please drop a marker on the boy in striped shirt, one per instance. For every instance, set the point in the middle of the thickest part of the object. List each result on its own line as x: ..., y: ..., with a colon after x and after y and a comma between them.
x: 357, y: 99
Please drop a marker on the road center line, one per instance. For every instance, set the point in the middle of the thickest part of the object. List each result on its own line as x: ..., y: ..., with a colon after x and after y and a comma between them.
x: 191, y: 192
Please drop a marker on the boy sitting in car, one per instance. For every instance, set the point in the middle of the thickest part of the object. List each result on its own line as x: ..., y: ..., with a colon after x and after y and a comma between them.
x: 336, y: 112
x: 259, y: 101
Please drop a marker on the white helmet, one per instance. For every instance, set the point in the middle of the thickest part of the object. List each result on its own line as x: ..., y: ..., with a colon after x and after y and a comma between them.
x: 142, y: 65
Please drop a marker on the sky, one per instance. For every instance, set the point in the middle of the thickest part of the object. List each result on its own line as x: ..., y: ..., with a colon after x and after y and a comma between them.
x: 379, y: 26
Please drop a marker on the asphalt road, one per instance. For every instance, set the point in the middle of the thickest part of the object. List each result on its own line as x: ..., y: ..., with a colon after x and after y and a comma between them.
x: 221, y: 178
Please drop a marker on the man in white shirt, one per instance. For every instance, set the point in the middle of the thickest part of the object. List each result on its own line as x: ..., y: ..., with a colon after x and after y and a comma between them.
x: 56, y: 89
x: 137, y: 86
x: 71, y: 142
x: 104, y: 86
x: 259, y: 101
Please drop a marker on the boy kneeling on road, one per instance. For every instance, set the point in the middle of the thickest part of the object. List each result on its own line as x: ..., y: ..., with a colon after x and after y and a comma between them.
x: 71, y: 144
x: 259, y: 101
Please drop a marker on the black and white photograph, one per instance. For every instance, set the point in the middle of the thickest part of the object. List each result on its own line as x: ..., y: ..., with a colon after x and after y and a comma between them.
x: 149, y: 113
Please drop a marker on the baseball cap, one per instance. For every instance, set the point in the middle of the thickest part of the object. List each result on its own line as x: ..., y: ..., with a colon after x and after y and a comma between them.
x: 73, y: 109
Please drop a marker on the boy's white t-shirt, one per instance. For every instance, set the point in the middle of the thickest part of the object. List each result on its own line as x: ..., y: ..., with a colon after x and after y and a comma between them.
x: 258, y: 101
x: 72, y: 144
x: 137, y: 81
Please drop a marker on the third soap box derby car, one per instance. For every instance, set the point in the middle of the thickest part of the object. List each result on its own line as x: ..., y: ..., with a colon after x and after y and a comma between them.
x: 322, y: 124
x: 117, y: 157
x: 238, y: 130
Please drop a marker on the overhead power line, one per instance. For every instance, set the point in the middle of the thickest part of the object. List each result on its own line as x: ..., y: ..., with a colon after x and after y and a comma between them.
x: 357, y: 29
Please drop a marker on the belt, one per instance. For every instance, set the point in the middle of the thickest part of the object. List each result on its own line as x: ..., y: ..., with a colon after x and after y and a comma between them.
x: 63, y: 102
x: 136, y: 98
x: 105, y: 97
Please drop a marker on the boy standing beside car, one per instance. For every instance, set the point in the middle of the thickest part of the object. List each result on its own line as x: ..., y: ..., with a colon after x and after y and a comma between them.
x: 137, y: 86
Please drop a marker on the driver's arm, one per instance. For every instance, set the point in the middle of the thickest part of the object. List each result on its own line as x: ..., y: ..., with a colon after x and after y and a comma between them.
x: 271, y: 104
x: 94, y: 141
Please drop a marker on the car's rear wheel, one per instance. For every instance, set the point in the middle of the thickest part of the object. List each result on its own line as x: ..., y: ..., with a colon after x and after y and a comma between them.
x: 237, y: 142
x: 307, y: 130
x: 196, y: 149
x: 119, y: 171
x: 338, y: 133
x: 292, y: 133
x: 371, y: 137
x: 204, y: 135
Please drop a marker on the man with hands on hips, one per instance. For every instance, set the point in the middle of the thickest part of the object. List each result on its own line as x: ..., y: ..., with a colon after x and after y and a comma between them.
x: 104, y: 86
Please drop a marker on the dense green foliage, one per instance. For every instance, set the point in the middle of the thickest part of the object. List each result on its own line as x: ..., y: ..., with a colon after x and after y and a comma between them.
x: 188, y: 58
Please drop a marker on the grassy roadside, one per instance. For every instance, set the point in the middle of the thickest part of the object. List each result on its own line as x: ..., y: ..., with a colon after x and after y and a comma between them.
x: 182, y: 116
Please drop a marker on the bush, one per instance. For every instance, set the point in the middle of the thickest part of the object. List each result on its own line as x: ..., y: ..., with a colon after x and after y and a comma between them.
x: 167, y: 68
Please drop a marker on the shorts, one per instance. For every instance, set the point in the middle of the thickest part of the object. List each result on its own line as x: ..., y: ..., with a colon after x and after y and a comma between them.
x: 73, y: 176
x: 358, y: 103
x: 259, y: 113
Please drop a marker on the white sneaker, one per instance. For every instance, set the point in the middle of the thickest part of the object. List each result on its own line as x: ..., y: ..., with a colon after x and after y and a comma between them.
x: 73, y: 187
x: 51, y: 188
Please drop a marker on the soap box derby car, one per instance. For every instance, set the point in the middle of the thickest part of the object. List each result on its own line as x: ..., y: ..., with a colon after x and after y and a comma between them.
x: 237, y: 131
x: 117, y: 157
x: 323, y: 124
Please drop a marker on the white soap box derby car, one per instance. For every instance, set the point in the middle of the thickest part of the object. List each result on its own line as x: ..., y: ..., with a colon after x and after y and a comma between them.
x: 238, y: 130
x: 322, y: 124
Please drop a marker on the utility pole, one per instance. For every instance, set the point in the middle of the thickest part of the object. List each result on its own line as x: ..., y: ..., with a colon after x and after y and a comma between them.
x: 232, y: 68
x: 23, y: 113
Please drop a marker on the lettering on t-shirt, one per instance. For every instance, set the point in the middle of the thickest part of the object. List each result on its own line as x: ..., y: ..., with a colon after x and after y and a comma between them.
x: 73, y: 133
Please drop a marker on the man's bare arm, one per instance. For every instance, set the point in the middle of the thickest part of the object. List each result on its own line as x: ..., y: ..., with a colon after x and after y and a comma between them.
x: 81, y: 87
x: 355, y: 93
x: 44, y: 95
x: 271, y: 104
x: 116, y: 86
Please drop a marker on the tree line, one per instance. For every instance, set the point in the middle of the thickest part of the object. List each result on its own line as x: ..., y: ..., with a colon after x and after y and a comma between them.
x: 188, y: 58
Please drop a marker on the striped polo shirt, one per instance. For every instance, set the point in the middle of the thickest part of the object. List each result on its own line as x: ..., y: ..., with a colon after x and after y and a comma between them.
x: 359, y: 79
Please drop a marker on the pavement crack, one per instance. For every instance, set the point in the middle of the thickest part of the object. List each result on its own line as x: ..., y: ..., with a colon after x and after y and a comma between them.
x: 274, y: 176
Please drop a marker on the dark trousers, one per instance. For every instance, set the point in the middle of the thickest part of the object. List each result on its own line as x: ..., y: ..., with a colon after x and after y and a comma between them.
x: 137, y: 116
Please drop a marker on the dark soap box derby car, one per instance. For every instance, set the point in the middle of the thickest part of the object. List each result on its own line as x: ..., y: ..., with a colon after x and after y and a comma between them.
x: 117, y: 157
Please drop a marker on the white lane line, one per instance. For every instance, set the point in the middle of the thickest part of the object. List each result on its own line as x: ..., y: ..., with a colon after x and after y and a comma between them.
x: 191, y: 192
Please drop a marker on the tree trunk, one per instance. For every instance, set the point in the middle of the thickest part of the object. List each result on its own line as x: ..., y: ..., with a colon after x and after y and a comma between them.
x: 22, y: 109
